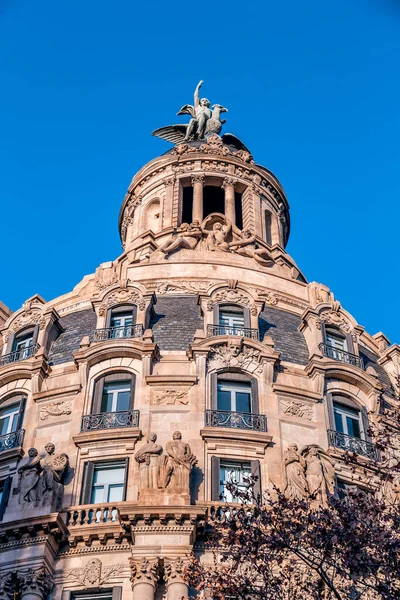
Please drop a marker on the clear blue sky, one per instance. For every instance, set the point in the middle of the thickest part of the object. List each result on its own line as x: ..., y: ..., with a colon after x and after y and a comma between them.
x: 312, y: 88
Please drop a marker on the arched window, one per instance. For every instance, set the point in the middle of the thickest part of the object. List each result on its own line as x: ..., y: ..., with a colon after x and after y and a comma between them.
x: 112, y: 403
x: 268, y: 226
x: 22, y: 345
x: 11, y: 419
x: 121, y: 323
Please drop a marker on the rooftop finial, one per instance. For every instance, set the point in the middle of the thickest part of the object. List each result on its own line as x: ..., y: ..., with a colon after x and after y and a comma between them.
x: 204, y: 121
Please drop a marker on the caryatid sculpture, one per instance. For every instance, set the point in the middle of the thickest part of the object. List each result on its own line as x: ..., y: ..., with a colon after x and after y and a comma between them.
x: 178, y: 463
x: 148, y: 459
x: 296, y: 485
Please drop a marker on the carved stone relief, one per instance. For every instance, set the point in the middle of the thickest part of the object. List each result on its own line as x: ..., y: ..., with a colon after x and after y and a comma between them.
x: 34, y: 580
x: 230, y: 296
x: 169, y: 396
x: 28, y: 317
x: 175, y: 570
x: 104, y: 278
x: 333, y: 317
x: 236, y: 355
x: 296, y: 408
x: 184, y: 287
x: 55, y: 409
x: 93, y: 574
x: 121, y: 296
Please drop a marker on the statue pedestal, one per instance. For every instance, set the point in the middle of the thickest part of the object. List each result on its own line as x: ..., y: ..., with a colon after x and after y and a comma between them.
x: 168, y: 497
x: 27, y: 511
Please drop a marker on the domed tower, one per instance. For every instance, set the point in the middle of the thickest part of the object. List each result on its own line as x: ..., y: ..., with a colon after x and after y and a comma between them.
x: 199, y: 356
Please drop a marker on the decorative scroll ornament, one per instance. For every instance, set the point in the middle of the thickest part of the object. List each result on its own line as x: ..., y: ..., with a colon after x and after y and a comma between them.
x: 184, y: 287
x: 144, y: 570
x: 175, y: 570
x: 333, y: 317
x: 231, y: 296
x: 297, y: 409
x: 237, y: 355
x: 123, y: 295
x: 169, y: 396
x: 55, y: 409
x: 93, y: 575
x: 28, y: 317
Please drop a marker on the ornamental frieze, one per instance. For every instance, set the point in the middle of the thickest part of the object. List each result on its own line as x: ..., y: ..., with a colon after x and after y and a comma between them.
x: 55, y: 409
x: 93, y: 574
x: 184, y: 287
x: 123, y: 295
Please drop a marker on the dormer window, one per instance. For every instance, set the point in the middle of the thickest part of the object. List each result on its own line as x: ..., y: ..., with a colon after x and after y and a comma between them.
x: 120, y: 323
x: 231, y: 321
x: 339, y: 346
x: 23, y: 345
x: 337, y: 343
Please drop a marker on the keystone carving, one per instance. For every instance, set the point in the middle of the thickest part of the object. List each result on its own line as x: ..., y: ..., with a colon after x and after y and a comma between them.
x: 231, y: 296
x: 121, y: 296
x: 144, y: 570
x: 55, y: 409
x: 236, y: 355
x: 93, y: 575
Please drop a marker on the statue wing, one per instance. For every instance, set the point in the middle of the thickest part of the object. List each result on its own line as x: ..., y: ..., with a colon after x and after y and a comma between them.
x: 232, y: 140
x: 187, y: 109
x: 172, y: 133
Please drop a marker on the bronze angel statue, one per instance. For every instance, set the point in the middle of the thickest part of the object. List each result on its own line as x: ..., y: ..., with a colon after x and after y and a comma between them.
x: 204, y: 122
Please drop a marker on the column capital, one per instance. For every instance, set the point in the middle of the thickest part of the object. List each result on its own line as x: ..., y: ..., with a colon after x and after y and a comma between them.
x: 170, y: 180
x: 35, y: 581
x: 144, y: 570
x: 7, y: 585
x: 229, y: 181
x: 175, y: 570
x: 198, y: 178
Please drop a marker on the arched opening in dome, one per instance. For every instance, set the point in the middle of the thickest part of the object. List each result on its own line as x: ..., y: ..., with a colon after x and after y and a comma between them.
x: 187, y: 204
x: 268, y: 227
x: 238, y: 210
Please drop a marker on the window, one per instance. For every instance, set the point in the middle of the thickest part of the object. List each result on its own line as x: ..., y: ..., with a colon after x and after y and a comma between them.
x: 121, y: 323
x: 23, y: 345
x: 232, y: 322
x: 5, y: 485
x: 116, y: 396
x: 268, y: 227
x: 111, y: 594
x: 104, y: 482
x: 233, y: 472
x: 347, y: 420
x: 95, y: 596
x: 336, y: 341
x: 234, y: 396
x: 108, y: 483
x: 9, y: 417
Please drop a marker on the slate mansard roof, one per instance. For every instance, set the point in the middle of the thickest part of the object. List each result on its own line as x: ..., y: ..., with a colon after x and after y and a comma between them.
x: 174, y: 322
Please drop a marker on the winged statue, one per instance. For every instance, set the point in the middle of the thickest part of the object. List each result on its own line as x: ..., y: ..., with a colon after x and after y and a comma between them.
x: 204, y: 121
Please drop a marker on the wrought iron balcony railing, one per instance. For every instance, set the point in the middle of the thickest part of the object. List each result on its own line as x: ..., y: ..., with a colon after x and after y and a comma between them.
x: 341, y: 355
x: 11, y: 440
x: 113, y: 333
x: 352, y: 444
x: 110, y: 420
x: 236, y: 420
x: 213, y: 330
x: 18, y: 355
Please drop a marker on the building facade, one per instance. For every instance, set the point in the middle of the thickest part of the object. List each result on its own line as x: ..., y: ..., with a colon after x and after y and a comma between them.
x: 198, y: 356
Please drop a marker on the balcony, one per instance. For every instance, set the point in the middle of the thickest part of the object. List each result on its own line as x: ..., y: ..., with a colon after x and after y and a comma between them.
x: 352, y: 444
x: 18, y: 355
x: 12, y: 440
x: 236, y: 420
x: 341, y: 356
x: 114, y: 333
x: 110, y: 420
x: 92, y: 515
x: 213, y: 330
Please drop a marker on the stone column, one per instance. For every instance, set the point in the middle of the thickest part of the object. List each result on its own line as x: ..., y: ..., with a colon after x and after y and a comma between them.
x: 34, y: 584
x: 176, y: 579
x: 144, y: 577
x: 229, y: 186
x: 197, y: 208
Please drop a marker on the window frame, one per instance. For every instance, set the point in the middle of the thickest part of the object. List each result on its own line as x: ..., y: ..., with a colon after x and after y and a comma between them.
x: 112, y: 377
x: 235, y: 387
x: 88, y: 474
x: 233, y: 375
x: 255, y: 469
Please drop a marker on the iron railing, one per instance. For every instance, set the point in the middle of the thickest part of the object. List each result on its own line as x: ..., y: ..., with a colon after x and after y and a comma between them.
x: 110, y: 420
x: 342, y: 356
x: 11, y: 440
x: 92, y: 515
x: 18, y: 355
x: 113, y: 333
x: 213, y: 330
x: 236, y: 420
x: 352, y: 444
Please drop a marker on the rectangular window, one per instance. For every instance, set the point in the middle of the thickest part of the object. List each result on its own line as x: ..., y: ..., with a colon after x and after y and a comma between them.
x: 347, y: 420
x: 94, y: 596
x: 234, y: 396
x: 232, y: 322
x: 122, y: 324
x: 9, y: 419
x: 234, y: 472
x: 23, y: 345
x: 116, y: 396
x: 108, y: 482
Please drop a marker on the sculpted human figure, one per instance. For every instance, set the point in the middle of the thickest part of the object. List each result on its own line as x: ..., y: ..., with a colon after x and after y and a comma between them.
x: 29, y: 476
x: 296, y: 484
x: 186, y: 236
x: 179, y: 463
x: 54, y: 467
x: 201, y: 112
x: 320, y: 473
x: 148, y: 459
x: 217, y: 237
x: 247, y: 246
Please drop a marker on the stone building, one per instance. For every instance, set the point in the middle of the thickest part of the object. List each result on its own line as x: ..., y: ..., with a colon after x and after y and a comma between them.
x: 197, y: 356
